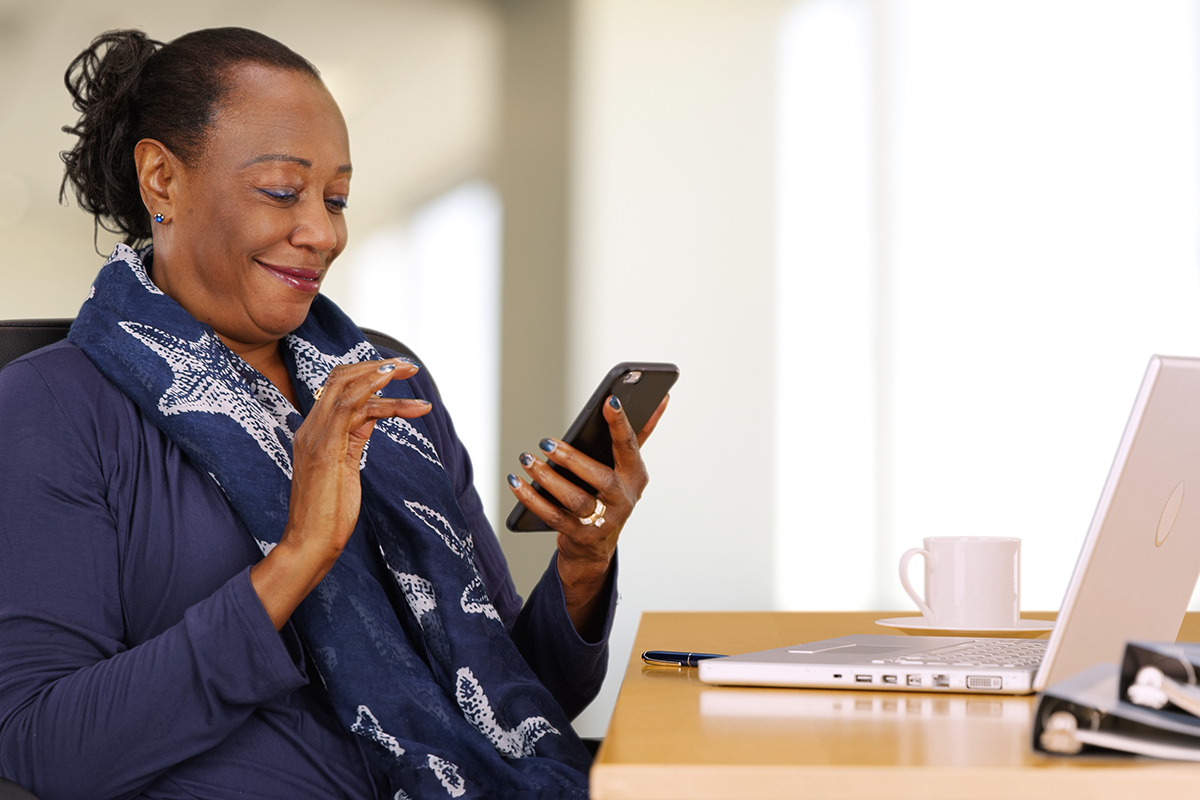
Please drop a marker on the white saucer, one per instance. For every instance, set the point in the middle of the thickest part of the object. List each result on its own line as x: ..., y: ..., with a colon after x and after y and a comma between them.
x: 919, y: 626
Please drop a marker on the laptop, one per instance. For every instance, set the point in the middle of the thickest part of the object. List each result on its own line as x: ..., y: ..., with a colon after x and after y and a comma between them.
x: 1133, y: 580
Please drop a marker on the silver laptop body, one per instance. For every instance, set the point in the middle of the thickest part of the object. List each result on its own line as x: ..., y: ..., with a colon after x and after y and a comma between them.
x: 1133, y: 580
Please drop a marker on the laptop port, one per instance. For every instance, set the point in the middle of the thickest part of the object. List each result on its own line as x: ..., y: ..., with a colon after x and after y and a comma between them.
x: 984, y: 682
x: 942, y: 681
x: 862, y: 678
x: 889, y: 678
x: 912, y: 680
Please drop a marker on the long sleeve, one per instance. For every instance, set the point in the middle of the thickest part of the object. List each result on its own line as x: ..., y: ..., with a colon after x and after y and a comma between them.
x: 572, y: 668
x: 131, y: 640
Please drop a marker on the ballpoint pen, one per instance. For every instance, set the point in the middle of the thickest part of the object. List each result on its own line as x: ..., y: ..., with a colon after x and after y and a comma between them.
x: 676, y: 658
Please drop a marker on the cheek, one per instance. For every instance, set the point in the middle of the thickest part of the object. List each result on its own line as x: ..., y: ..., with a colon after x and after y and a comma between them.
x: 256, y: 232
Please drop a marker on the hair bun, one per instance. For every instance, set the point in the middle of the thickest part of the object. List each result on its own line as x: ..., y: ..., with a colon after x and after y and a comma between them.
x: 103, y: 80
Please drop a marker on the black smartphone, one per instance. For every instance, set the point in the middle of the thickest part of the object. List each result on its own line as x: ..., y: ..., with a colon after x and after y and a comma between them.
x: 640, y: 387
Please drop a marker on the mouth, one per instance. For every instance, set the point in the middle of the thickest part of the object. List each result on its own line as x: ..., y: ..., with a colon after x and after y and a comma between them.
x: 298, y: 278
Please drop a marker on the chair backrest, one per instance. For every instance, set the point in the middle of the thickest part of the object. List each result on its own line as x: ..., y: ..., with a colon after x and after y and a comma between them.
x: 10, y: 791
x: 21, y: 336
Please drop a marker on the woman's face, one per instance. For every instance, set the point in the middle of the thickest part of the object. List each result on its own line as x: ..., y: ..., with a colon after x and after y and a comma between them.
x: 257, y: 221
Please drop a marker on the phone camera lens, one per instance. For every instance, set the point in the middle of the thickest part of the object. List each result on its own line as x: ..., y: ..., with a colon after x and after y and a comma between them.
x: 632, y: 377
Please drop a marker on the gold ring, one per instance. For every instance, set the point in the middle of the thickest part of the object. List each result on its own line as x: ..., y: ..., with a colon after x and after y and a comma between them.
x: 597, y: 517
x: 317, y: 394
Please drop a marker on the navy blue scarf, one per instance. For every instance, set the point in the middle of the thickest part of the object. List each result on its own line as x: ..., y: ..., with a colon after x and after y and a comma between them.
x: 433, y: 683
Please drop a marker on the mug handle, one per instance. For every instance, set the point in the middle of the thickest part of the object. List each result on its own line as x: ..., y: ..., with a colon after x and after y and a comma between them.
x: 930, y: 562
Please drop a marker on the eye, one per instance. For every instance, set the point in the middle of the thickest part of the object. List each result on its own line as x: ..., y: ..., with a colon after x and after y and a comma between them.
x: 283, y: 195
x: 337, y: 204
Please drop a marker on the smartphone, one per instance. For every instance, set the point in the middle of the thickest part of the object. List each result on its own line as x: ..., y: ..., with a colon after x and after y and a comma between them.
x: 640, y: 387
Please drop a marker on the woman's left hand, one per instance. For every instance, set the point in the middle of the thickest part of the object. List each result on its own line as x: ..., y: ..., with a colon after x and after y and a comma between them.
x: 586, y: 548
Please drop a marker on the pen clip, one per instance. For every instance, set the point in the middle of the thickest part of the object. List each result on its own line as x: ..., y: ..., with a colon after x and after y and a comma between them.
x: 661, y: 661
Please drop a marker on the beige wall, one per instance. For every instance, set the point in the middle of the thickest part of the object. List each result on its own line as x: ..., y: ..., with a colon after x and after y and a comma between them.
x: 672, y: 259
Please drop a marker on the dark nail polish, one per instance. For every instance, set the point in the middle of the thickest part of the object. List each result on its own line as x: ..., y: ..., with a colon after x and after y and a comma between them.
x: 548, y: 445
x: 514, y: 481
x: 526, y: 460
x: 386, y: 368
x: 615, y: 403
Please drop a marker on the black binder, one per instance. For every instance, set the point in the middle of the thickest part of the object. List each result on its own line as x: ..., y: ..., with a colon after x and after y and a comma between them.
x: 1162, y: 675
x: 1084, y: 715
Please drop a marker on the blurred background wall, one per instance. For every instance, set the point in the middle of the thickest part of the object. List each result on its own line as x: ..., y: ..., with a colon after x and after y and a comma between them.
x: 911, y: 256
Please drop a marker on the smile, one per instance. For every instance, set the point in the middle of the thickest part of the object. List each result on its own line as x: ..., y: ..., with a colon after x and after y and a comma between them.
x: 298, y: 278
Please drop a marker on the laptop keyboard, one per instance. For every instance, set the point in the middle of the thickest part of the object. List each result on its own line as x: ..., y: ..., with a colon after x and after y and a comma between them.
x: 982, y: 653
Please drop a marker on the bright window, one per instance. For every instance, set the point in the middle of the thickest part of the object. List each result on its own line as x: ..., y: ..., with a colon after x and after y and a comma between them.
x: 987, y: 224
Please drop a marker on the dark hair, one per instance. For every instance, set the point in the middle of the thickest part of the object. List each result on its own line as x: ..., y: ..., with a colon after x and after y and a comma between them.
x: 128, y: 87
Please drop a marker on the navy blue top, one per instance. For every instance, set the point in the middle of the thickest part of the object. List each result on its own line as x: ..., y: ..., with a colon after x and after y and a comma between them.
x: 135, y: 657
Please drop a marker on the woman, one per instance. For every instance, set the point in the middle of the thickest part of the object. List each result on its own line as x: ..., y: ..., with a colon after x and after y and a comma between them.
x: 242, y: 554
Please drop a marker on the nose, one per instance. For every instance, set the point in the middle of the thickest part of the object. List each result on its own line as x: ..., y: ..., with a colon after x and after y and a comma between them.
x: 315, y: 227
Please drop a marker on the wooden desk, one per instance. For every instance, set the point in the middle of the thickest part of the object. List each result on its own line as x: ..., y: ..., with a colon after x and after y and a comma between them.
x: 674, y: 738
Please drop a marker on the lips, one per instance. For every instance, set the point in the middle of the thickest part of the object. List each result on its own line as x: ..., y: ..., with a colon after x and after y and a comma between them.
x: 298, y: 278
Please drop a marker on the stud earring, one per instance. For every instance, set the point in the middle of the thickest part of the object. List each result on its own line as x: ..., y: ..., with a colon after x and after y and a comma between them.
x: 159, y: 218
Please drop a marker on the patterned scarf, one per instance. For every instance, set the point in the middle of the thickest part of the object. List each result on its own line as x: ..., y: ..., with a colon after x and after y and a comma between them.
x: 433, y: 682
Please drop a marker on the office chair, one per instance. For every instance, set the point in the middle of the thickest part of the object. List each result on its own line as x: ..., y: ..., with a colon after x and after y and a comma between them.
x: 11, y: 791
x: 21, y: 336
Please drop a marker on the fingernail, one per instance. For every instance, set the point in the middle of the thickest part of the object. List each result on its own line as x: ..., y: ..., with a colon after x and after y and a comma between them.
x: 526, y: 460
x: 514, y: 481
x: 386, y: 368
x: 406, y: 360
x: 615, y: 403
x: 548, y: 445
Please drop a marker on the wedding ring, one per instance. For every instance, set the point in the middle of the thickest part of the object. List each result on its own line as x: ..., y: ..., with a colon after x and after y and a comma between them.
x: 597, y: 517
x: 317, y: 394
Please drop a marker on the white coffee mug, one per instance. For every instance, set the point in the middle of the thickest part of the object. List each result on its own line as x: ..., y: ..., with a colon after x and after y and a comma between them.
x: 970, y: 581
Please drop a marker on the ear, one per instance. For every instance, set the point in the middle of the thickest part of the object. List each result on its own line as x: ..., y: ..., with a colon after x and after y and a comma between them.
x: 159, y: 176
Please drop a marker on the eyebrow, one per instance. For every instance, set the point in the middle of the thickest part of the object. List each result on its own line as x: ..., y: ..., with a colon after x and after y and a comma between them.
x: 304, y: 162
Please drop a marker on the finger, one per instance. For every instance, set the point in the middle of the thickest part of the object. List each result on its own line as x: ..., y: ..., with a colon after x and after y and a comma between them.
x: 362, y: 422
x: 556, y: 518
x: 350, y: 400
x: 346, y: 374
x: 348, y: 386
x: 403, y: 407
x: 578, y: 501
x: 600, y: 477
x: 627, y: 457
x: 649, y: 427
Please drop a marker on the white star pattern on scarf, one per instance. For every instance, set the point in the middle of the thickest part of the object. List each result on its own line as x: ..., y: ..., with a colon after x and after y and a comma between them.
x: 271, y: 399
x: 125, y: 253
x: 461, y: 546
x: 205, y: 382
x: 475, y: 600
x: 313, y: 367
x: 515, y: 743
x: 401, y: 431
x: 447, y: 773
x: 418, y: 592
x: 366, y: 725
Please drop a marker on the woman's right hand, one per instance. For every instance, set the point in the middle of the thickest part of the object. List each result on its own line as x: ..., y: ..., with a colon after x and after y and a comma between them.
x: 326, y: 491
